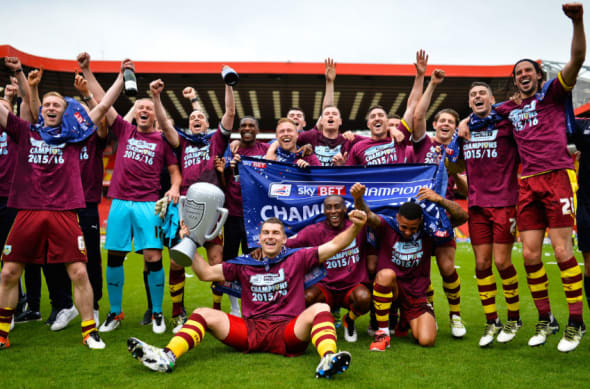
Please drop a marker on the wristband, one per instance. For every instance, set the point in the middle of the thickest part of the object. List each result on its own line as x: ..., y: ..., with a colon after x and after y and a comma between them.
x: 194, y: 99
x: 18, y: 70
x: 87, y: 99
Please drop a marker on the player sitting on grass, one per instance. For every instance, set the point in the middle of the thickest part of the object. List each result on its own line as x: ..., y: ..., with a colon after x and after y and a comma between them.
x: 274, y: 319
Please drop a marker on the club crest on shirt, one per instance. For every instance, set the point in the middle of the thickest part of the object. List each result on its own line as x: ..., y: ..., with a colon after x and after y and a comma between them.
x: 7, y: 249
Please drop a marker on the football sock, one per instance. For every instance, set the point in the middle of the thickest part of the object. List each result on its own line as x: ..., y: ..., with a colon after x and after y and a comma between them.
x: 147, y: 289
x: 115, y: 282
x: 156, y: 280
x: 452, y: 288
x: 511, y: 294
x: 176, y: 279
x: 571, y: 280
x: 88, y: 326
x: 217, y: 297
x: 430, y: 294
x: 486, y: 286
x: 323, y: 333
x: 538, y: 283
x: 352, y: 315
x: 5, y: 320
x: 189, y: 336
x: 382, y: 298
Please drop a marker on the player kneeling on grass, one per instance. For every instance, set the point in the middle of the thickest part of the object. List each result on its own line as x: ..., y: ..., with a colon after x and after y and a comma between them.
x: 274, y: 319
x: 403, y: 267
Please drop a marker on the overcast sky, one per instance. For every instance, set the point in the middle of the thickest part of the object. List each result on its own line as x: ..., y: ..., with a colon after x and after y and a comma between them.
x: 366, y: 31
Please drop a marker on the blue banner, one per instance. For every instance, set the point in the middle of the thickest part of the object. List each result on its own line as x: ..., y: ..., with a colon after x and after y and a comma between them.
x: 295, y: 196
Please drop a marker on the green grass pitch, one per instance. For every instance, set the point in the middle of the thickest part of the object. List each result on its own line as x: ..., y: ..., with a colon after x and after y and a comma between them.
x: 39, y: 358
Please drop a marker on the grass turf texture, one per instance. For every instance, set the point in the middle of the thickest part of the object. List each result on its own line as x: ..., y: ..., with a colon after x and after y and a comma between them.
x: 41, y: 358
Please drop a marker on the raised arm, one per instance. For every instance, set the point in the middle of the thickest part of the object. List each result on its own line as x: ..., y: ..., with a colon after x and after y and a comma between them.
x: 190, y: 94
x: 357, y: 191
x: 14, y: 65
x: 9, y: 95
x: 416, y: 92
x: 130, y: 115
x: 343, y: 239
x: 202, y: 269
x: 33, y: 79
x: 569, y: 73
x: 81, y: 85
x: 330, y: 73
x: 111, y: 96
x: 227, y: 121
x: 93, y: 85
x: 457, y: 214
x: 420, y: 114
x: 156, y: 87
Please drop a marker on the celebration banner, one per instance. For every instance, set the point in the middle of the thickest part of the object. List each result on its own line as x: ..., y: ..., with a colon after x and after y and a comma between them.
x: 295, y: 196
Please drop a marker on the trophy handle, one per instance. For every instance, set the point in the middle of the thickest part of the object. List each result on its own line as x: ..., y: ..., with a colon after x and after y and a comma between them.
x: 180, y: 208
x: 219, y: 225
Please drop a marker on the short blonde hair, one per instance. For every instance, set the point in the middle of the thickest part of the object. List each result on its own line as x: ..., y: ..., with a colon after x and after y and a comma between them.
x: 286, y: 120
x: 56, y: 94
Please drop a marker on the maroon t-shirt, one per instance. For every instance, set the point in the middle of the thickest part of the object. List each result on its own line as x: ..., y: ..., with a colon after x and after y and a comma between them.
x: 198, y: 163
x: 140, y: 158
x: 276, y: 293
x: 429, y: 150
x: 426, y: 150
x: 46, y: 177
x: 233, y: 189
x: 325, y: 148
x: 539, y: 128
x: 92, y: 167
x: 410, y: 259
x: 491, y: 164
x: 346, y: 269
x: 379, y: 152
x: 7, y: 158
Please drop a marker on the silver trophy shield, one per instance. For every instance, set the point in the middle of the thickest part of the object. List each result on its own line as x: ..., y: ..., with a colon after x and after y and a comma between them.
x: 203, y: 213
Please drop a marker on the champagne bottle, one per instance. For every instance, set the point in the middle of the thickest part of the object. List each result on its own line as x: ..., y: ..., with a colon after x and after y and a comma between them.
x: 230, y: 77
x: 130, y: 82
